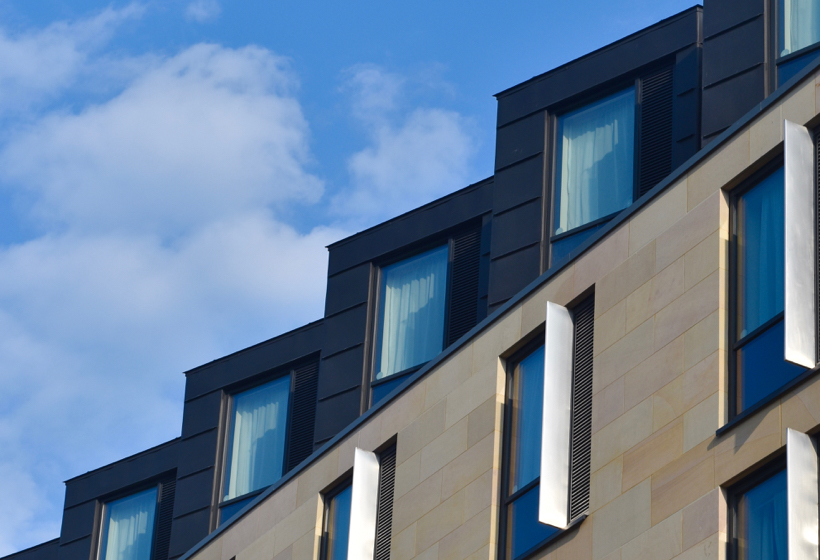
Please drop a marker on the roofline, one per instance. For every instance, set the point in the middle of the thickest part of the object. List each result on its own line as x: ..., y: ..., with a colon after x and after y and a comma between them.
x: 51, y: 542
x: 623, y: 40
x: 430, y: 204
x: 124, y: 459
x: 682, y: 170
x: 252, y: 347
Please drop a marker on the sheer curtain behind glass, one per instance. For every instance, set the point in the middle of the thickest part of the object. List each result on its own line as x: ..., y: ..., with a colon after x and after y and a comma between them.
x: 128, y: 529
x: 413, y: 297
x: 762, y: 521
x: 596, y: 160
x: 257, y: 449
x: 760, y: 248
x: 799, y: 24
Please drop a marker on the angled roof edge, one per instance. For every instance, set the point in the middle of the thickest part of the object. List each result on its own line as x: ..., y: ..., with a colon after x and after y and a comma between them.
x: 154, y: 449
x: 699, y: 157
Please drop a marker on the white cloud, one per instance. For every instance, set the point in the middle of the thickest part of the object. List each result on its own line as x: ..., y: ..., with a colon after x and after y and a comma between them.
x: 203, y: 10
x: 414, y: 156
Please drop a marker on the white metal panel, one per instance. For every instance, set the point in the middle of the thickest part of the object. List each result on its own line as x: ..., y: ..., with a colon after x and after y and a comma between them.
x: 553, y: 502
x: 801, y: 466
x: 363, y: 501
x: 801, y: 252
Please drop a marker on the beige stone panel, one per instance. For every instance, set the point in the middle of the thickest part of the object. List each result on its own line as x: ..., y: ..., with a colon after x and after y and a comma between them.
x: 702, y: 340
x: 480, y: 494
x: 455, y: 371
x: 652, y: 454
x: 690, y: 230
x: 688, y: 310
x: 625, y: 432
x: 403, y: 543
x: 729, y: 161
x: 471, y: 536
x: 679, y: 483
x: 800, y: 409
x: 661, y: 542
x: 305, y: 519
x: 277, y: 506
x: 408, y: 475
x: 765, y: 134
x: 286, y: 554
x: 370, y: 435
x: 605, y: 483
x: 467, y: 467
x: 702, y: 260
x: 575, y: 543
x: 482, y: 553
x: 622, y: 356
x: 560, y: 289
x: 211, y: 552
x: 403, y: 411
x: 607, y: 404
x: 614, y: 556
x: 750, y: 441
x: 306, y: 547
x: 260, y: 549
x: 621, y: 520
x: 609, y: 327
x: 243, y: 531
x: 421, y: 431
x: 443, y: 449
x: 471, y: 394
x: 429, y: 554
x: 498, y: 338
x: 700, y: 422
x: 604, y: 257
x: 317, y: 476
x: 799, y: 107
x: 667, y: 404
x: 657, y: 216
x: 661, y: 368
x: 708, y: 549
x: 346, y: 451
x: 667, y: 285
x: 443, y: 519
x: 638, y: 307
x: 414, y: 504
x: 701, y: 380
x: 701, y: 518
x: 625, y: 279
x: 485, y: 419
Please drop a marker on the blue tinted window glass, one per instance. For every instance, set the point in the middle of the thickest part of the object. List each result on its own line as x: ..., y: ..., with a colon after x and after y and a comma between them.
x: 525, y: 531
x: 128, y: 527
x: 338, y: 527
x: 787, y: 70
x: 561, y: 249
x: 761, y: 514
x: 383, y: 389
x: 527, y: 402
x: 798, y: 25
x: 761, y: 367
x: 226, y: 512
x: 595, y: 160
x: 411, y: 312
x: 760, y: 253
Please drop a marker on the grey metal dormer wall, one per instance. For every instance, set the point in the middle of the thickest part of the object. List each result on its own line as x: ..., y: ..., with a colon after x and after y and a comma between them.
x: 521, y: 197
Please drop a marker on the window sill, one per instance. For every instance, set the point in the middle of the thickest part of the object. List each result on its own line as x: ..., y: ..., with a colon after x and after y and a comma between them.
x: 545, y: 543
x: 766, y: 401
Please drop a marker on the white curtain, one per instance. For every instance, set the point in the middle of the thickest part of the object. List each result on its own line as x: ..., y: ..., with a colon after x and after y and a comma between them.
x: 412, y: 314
x: 597, y: 153
x: 258, y: 438
x: 129, y: 527
x: 800, y: 26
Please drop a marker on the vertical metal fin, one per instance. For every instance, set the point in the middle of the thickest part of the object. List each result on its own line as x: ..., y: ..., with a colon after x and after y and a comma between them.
x: 553, y: 503
x: 363, y: 502
x: 801, y: 475
x: 800, y: 247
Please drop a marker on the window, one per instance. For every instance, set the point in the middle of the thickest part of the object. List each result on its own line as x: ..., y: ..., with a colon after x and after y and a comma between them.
x: 798, y: 36
x: 522, y: 533
x: 758, y: 251
x: 759, y: 517
x: 608, y: 153
x: 425, y: 303
x: 337, y: 523
x: 270, y: 431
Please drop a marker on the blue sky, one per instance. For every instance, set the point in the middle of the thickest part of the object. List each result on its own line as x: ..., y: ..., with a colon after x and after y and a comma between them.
x: 170, y: 173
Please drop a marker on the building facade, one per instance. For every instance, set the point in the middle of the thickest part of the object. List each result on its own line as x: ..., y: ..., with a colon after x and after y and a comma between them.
x: 583, y: 356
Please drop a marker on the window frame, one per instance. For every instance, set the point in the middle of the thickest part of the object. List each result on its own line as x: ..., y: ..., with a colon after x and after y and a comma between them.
x: 228, y: 396
x: 102, y: 506
x: 343, y: 483
x: 775, y: 60
x: 734, y: 492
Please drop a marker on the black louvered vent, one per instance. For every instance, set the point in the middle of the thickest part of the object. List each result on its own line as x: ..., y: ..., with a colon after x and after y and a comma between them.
x: 463, y: 311
x: 303, y: 413
x: 581, y: 408
x: 656, y: 130
x: 165, y: 515
x: 384, y: 515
